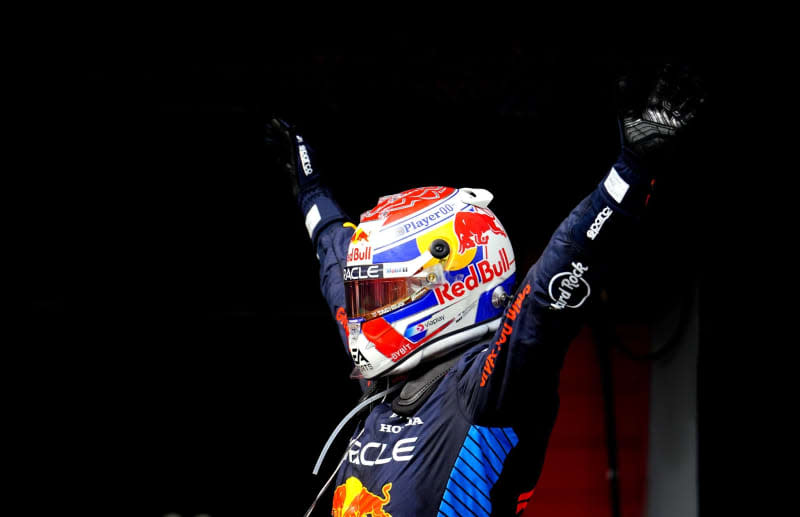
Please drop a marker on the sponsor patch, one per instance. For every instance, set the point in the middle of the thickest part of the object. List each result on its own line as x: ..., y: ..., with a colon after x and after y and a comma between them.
x: 471, y: 229
x: 418, y: 330
x: 427, y: 220
x: 395, y: 270
x: 569, y: 289
x: 367, y: 272
x: 598, y: 223
x: 305, y: 160
x: 479, y: 273
x: 353, y: 498
x: 505, y: 333
x: 376, y: 453
x: 313, y: 218
x: 616, y: 186
x: 396, y: 429
x: 363, y: 272
x: 360, y: 360
x: 359, y: 235
x: 357, y: 254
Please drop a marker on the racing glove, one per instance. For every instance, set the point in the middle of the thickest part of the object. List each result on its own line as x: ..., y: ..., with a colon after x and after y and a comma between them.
x: 293, y: 155
x: 649, y: 130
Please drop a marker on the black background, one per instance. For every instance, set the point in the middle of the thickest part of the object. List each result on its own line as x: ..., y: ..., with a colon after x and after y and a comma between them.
x: 177, y: 352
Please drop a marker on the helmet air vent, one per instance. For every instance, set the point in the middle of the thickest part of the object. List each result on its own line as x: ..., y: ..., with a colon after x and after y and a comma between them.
x: 476, y: 196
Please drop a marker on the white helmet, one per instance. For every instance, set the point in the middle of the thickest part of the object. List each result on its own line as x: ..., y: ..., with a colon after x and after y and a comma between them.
x: 427, y: 270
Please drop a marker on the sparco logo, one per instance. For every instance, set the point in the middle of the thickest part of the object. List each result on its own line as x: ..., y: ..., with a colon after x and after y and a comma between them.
x: 598, y: 222
x: 304, y: 158
x: 569, y: 289
x: 362, y: 272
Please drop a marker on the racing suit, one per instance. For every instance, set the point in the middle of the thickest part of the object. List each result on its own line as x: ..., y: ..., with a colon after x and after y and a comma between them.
x: 472, y: 439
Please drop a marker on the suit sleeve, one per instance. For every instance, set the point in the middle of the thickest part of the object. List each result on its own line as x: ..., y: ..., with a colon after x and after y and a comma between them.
x: 332, y: 252
x: 518, y: 372
x: 330, y: 239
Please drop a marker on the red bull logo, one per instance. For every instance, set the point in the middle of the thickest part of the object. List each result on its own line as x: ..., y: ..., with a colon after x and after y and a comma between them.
x: 360, y: 235
x: 480, y: 273
x: 471, y: 229
x: 352, y: 499
x: 359, y: 254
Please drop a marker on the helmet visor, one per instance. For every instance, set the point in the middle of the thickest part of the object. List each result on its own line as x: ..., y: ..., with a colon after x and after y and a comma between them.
x: 370, y: 298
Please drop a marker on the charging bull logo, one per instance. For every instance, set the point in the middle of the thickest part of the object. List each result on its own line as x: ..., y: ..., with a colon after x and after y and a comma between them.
x: 471, y: 229
x: 352, y: 499
x: 360, y: 235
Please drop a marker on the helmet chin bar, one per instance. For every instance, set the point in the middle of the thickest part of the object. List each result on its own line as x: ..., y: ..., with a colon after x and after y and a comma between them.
x: 440, y: 347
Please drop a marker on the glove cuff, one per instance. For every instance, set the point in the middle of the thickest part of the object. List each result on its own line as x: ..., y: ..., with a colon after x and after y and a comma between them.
x: 628, y: 185
x: 319, y: 210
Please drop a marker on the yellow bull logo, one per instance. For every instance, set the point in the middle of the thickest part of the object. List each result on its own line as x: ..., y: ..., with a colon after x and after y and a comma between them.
x: 352, y: 499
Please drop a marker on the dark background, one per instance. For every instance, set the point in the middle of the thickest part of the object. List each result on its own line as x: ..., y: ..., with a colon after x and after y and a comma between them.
x: 177, y: 352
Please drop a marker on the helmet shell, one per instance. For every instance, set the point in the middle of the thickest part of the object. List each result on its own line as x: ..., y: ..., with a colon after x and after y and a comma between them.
x: 398, y: 235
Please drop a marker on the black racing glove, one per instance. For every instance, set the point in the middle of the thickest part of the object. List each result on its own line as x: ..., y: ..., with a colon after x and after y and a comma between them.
x: 649, y: 129
x: 651, y: 121
x: 293, y: 156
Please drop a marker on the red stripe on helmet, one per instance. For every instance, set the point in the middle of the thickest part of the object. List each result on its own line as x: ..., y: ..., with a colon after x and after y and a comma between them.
x: 391, y: 343
x: 386, y: 339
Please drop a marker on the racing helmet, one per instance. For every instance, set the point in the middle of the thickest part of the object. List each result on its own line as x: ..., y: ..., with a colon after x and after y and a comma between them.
x: 428, y: 270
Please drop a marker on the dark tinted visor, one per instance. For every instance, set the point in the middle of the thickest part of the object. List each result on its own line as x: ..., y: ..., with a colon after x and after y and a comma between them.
x: 364, y: 297
x: 372, y: 297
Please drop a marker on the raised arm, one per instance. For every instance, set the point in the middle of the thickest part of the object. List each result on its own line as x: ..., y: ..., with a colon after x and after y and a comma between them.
x: 324, y: 219
x: 520, y: 368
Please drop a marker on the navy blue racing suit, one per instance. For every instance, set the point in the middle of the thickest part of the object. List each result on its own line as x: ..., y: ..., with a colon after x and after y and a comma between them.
x: 477, y: 444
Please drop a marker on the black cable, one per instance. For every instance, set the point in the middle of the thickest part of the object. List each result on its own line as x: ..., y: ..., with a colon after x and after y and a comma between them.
x: 603, y: 338
x: 602, y: 328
